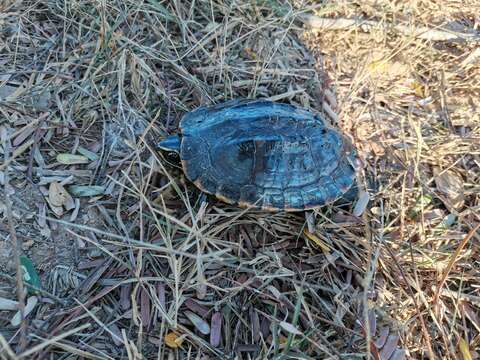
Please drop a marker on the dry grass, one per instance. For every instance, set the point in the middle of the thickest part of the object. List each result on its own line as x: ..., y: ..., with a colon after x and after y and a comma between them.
x: 131, y: 268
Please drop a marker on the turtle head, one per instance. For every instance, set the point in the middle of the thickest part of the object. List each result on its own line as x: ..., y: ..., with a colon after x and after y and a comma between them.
x: 172, y: 143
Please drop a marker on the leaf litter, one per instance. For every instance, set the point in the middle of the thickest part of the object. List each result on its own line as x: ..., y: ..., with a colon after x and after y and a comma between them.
x: 112, y: 224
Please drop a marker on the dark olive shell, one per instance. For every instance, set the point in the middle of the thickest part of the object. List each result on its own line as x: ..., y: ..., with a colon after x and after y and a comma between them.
x: 268, y: 155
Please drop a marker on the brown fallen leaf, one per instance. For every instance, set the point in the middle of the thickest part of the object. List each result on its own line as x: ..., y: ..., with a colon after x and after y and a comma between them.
x: 196, y: 307
x: 451, y: 185
x: 398, y: 354
x: 69, y: 203
x: 116, y: 334
x: 57, y: 195
x: 161, y: 297
x: 173, y: 340
x: 340, y: 217
x: 200, y: 324
x: 125, y: 291
x: 389, y: 348
x: 382, y: 337
x: 216, y: 329
x: 383, y: 346
x: 145, y: 308
x: 471, y: 314
x: 23, y: 136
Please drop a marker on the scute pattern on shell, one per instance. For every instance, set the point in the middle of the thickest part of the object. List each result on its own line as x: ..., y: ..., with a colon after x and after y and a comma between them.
x: 268, y: 155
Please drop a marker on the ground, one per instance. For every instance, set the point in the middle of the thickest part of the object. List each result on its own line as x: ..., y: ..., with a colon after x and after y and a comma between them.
x: 134, y: 262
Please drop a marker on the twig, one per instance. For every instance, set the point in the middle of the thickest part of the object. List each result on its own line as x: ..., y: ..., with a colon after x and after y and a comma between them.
x: 421, y: 32
x: 36, y: 289
x: 5, y: 348
x: 14, y: 239
x: 452, y: 262
x: 53, y: 340
x: 431, y: 354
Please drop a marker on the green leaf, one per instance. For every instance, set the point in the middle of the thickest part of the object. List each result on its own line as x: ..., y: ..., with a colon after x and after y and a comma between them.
x: 30, y: 275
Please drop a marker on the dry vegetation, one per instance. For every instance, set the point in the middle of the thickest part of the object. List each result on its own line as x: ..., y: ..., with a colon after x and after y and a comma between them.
x: 135, y: 263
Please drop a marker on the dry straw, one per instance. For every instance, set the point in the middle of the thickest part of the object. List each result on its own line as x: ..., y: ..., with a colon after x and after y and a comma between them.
x: 136, y: 263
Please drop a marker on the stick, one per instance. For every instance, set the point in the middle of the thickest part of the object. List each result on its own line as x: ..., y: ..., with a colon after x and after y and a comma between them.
x: 452, y: 262
x: 14, y: 240
x: 421, y: 32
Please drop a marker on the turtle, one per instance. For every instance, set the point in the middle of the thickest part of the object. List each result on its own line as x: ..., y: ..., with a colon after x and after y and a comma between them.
x: 263, y: 154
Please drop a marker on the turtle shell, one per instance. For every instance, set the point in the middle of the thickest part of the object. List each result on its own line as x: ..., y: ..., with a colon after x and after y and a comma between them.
x: 265, y: 155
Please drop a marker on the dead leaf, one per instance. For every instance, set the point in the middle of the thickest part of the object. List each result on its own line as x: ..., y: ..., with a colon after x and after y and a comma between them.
x: 451, y: 185
x: 10, y: 93
x: 125, y: 291
x: 116, y: 334
x: 290, y: 328
x: 161, y: 293
x: 382, y: 338
x: 389, y: 347
x: 87, y: 153
x: 71, y: 159
x: 86, y: 191
x: 388, y: 69
x: 362, y: 202
x: 372, y: 322
x: 340, y: 217
x: 20, y: 138
x: 57, y: 195
x: 418, y: 89
x: 29, y: 306
x: 200, y: 324
x: 325, y: 248
x: 216, y: 329
x: 74, y: 214
x: 196, y: 307
x: 6, y: 304
x: 57, y: 210
x: 464, y: 349
x: 69, y: 203
x: 173, y: 340
x: 145, y: 308
x: 398, y: 354
x: 471, y: 314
